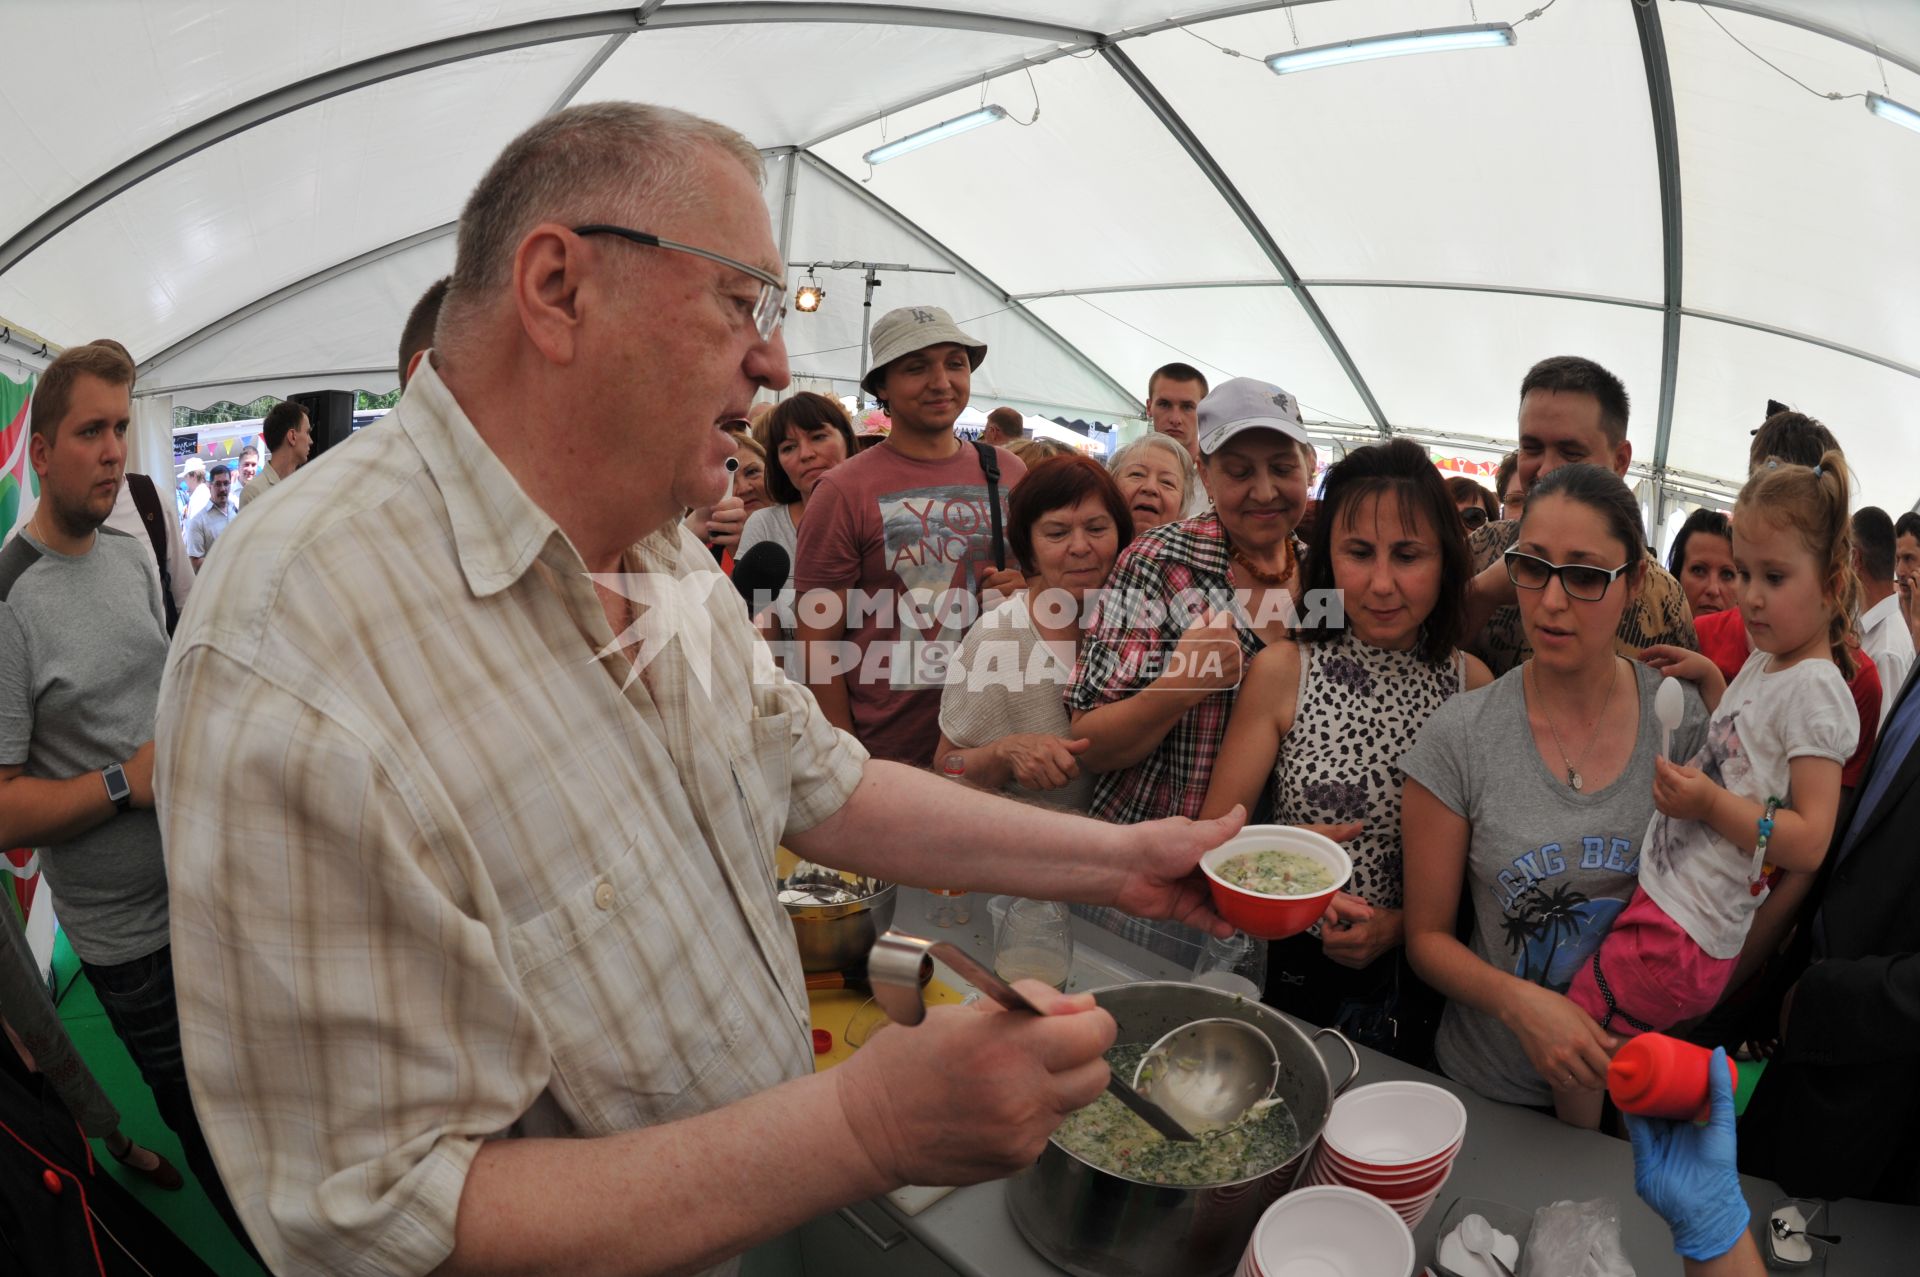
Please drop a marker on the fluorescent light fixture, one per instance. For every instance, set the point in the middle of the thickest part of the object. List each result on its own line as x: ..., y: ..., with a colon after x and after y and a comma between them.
x: 947, y: 128
x: 1888, y: 109
x: 1490, y: 35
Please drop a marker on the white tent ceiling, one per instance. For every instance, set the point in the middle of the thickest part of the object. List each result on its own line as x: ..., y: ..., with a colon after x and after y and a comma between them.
x: 256, y: 193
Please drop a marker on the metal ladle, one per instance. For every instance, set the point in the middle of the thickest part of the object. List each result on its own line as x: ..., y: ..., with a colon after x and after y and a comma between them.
x: 1209, y: 1074
x: 896, y: 967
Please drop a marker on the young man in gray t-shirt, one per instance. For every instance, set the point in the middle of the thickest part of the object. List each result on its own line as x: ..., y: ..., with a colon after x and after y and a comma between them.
x: 83, y: 643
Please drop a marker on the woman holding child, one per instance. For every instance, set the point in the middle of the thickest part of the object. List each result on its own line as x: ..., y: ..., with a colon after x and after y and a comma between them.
x: 1533, y: 796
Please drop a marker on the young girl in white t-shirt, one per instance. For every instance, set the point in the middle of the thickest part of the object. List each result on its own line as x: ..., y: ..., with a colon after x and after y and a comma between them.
x: 1764, y: 790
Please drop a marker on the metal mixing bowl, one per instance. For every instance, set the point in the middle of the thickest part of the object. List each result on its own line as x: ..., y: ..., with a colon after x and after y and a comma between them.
x: 836, y: 916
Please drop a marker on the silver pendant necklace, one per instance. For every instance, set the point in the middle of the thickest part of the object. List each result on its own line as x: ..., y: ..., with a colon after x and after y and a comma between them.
x: 1573, y: 767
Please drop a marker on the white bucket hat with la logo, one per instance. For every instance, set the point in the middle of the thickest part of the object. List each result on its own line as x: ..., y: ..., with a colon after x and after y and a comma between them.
x: 910, y: 328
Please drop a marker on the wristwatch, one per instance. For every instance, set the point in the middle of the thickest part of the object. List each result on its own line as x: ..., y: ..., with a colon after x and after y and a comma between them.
x: 117, y: 787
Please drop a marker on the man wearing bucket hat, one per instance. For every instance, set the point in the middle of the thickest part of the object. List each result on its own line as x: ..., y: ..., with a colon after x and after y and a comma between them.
x: 1145, y: 693
x: 900, y: 542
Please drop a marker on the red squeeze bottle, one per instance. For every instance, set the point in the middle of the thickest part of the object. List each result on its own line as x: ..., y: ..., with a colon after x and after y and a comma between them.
x: 1654, y: 1075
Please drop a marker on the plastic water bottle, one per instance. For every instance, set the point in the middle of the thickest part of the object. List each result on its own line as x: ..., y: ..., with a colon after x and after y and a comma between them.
x: 1236, y: 964
x: 945, y: 906
x: 1654, y: 1075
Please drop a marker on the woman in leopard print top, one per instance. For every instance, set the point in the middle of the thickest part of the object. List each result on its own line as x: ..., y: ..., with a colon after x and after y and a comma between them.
x: 1322, y: 720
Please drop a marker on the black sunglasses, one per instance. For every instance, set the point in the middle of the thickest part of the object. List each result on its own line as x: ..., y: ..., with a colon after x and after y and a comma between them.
x: 1581, y: 581
x: 1473, y: 516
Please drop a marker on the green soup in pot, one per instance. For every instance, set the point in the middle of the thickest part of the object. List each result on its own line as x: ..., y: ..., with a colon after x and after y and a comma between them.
x: 1110, y: 1136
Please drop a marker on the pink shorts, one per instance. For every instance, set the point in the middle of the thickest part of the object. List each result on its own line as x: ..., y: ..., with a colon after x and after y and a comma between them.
x: 1656, y: 974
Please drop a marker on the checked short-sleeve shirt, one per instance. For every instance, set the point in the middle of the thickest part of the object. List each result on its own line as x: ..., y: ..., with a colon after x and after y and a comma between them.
x: 448, y: 864
x: 1168, y: 577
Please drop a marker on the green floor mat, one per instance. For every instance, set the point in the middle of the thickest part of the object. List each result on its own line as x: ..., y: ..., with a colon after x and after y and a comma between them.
x: 187, y: 1212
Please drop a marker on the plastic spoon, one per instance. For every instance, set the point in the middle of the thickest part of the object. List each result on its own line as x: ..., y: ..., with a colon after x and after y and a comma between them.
x: 1477, y: 1235
x: 1670, y: 707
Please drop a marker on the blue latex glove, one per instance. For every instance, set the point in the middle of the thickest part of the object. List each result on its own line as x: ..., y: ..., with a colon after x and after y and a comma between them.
x: 1687, y: 1172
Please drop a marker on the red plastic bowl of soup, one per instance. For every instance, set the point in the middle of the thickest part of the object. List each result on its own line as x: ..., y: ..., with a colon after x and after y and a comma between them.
x: 1255, y: 892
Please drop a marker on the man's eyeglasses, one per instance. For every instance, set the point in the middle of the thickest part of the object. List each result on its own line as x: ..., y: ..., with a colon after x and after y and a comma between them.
x: 1473, y: 516
x: 768, y: 310
x: 1580, y: 580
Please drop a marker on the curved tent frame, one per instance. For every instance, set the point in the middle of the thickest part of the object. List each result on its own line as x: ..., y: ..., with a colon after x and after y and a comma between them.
x: 817, y: 163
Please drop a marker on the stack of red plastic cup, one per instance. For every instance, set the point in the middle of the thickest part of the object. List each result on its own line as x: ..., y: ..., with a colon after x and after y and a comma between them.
x: 1393, y: 1140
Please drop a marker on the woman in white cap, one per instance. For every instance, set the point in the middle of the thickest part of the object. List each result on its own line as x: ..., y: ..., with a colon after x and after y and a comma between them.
x: 1188, y: 604
x: 900, y: 543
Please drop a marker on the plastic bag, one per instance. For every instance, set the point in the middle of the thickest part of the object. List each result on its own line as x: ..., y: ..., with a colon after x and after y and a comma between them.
x: 1576, y: 1239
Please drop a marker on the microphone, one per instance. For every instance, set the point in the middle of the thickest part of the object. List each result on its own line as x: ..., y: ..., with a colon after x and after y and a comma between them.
x: 761, y: 573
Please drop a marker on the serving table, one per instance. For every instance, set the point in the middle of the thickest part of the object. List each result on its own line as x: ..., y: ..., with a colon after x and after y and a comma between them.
x: 1511, y: 1155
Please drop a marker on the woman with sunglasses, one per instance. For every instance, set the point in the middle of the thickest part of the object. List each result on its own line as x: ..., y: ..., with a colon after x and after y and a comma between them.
x: 1531, y: 796
x: 1476, y: 505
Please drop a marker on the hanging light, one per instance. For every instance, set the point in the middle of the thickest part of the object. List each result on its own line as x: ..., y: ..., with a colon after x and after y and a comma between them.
x: 1489, y: 35
x: 1888, y: 109
x: 808, y: 296
x: 945, y: 129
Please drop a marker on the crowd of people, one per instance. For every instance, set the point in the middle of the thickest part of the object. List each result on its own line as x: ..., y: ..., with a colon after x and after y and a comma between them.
x: 468, y: 778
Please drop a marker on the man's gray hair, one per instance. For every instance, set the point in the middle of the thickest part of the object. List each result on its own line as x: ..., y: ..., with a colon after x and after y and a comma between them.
x: 1189, y: 477
x: 604, y: 162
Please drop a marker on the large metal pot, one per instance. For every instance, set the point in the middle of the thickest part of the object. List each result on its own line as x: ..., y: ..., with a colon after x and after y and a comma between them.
x: 837, y: 935
x: 1099, y: 1224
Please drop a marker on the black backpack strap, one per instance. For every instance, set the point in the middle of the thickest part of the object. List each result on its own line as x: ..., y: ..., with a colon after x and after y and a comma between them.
x: 146, y: 499
x: 990, y: 466
x: 16, y: 557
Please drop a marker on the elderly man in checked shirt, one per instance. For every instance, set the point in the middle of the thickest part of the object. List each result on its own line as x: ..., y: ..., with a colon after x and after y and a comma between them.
x: 480, y: 964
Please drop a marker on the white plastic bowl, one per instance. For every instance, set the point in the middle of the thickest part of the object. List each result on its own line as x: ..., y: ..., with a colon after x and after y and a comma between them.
x: 1330, y: 1231
x: 1395, y: 1125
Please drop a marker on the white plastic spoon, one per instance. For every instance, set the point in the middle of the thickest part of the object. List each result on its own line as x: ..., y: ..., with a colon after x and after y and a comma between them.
x: 1670, y: 707
x: 1479, y: 1237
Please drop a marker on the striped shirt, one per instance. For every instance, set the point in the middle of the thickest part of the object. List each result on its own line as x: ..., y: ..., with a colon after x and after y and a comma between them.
x: 444, y: 868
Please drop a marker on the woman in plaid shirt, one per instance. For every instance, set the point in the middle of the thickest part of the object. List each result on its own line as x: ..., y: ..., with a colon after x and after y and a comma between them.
x: 1187, y: 605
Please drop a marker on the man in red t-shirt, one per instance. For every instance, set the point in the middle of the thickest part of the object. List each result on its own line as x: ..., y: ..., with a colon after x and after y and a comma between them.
x: 898, y: 544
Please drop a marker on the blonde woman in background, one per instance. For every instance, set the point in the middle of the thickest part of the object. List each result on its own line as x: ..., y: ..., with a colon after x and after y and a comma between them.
x: 1157, y: 477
